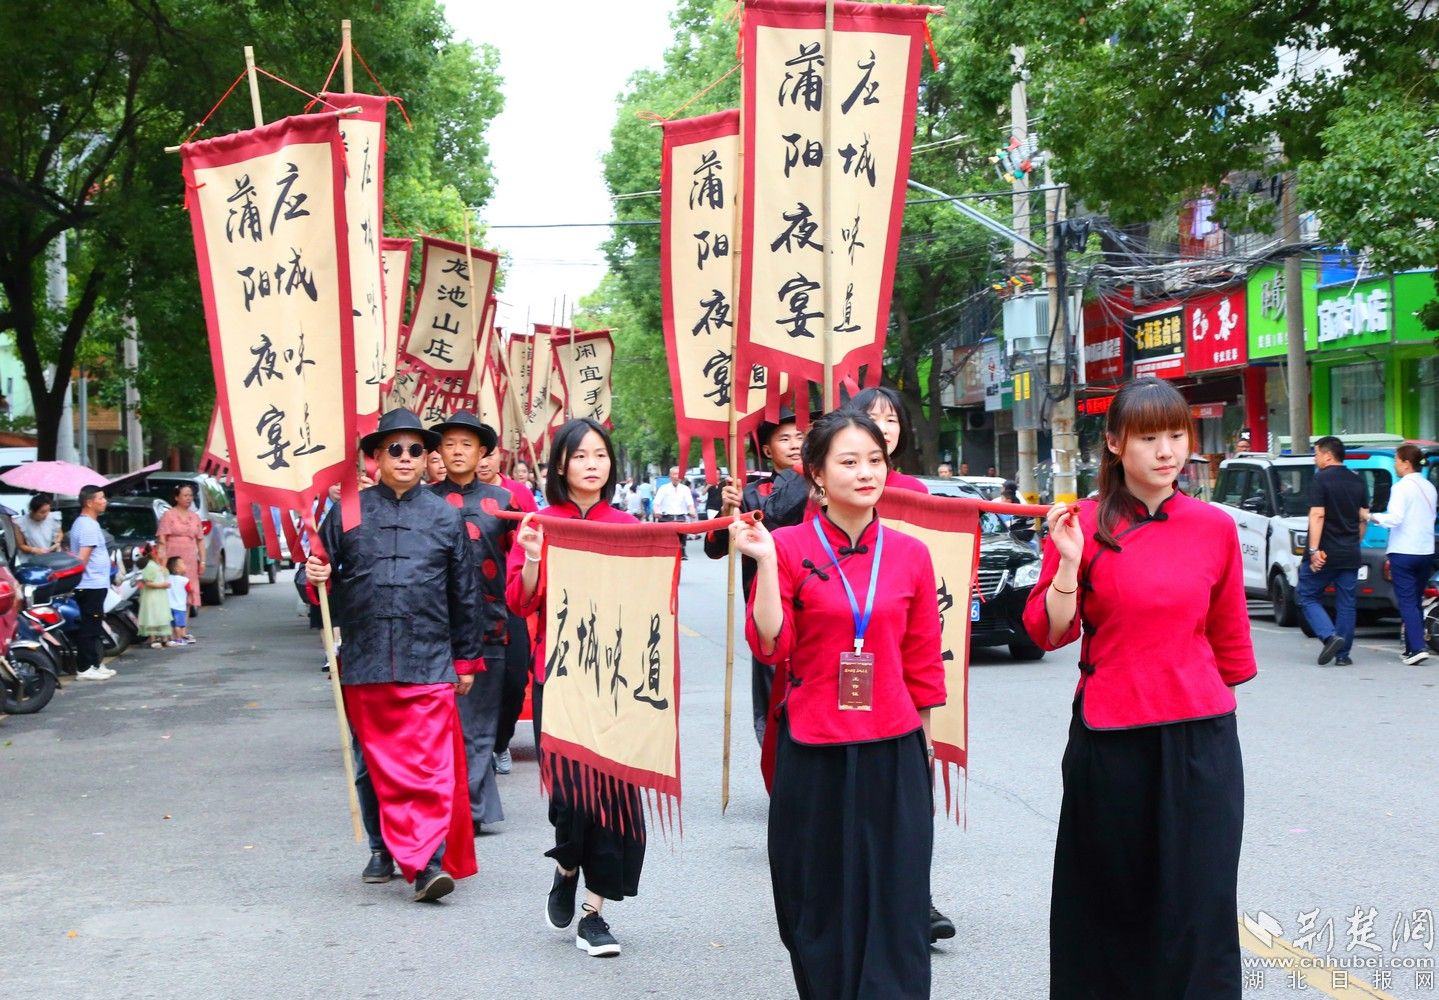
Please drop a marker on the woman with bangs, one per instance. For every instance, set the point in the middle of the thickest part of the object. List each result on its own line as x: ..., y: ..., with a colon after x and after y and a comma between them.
x: 883, y: 405
x: 1147, y: 856
x: 581, y: 485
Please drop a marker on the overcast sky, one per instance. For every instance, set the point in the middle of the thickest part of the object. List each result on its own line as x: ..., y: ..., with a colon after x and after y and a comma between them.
x: 563, y: 63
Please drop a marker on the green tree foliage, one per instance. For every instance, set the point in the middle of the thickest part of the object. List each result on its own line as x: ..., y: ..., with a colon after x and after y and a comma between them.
x: 942, y: 257
x: 93, y: 99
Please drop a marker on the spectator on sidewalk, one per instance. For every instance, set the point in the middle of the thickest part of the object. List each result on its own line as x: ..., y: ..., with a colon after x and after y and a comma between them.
x: 674, y: 502
x: 1338, y: 514
x: 39, y: 532
x: 182, y: 536
x: 87, y: 543
x: 179, y: 595
x: 1410, y: 520
x: 155, y: 620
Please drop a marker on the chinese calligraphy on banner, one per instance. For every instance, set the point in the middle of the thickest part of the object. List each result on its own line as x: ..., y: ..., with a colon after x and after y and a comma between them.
x: 612, y: 673
x: 949, y: 528
x: 583, y: 361
x: 875, y: 79
x: 1216, y: 329
x: 267, y: 211
x: 364, y: 138
x: 519, y: 371
x: 698, y: 181
x: 395, y: 266
x: 1158, y: 338
x: 540, y: 404
x: 445, y: 324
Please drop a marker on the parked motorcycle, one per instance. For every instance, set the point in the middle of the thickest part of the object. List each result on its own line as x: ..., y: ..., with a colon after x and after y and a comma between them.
x: 27, y: 675
x: 122, y: 625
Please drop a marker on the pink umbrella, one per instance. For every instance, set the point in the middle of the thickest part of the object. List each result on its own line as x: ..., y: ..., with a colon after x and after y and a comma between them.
x: 53, y: 477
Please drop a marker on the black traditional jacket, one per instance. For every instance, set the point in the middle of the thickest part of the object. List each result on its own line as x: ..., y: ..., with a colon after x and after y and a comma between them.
x: 783, y: 498
x: 404, y: 590
x: 489, y: 545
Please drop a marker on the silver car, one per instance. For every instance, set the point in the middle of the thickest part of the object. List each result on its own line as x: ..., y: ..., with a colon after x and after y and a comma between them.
x: 225, y: 556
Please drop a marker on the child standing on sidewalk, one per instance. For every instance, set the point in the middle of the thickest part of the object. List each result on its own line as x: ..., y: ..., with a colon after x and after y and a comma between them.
x: 179, y: 600
x: 154, y: 603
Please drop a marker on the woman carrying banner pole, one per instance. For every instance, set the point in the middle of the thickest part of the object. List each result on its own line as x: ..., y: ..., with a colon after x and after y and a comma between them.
x: 580, y: 484
x: 849, y: 608
x: 1151, y: 584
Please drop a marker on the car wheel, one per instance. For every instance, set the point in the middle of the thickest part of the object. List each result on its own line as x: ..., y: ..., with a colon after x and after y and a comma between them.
x: 1286, y: 605
x: 272, y: 570
x: 214, y: 593
x: 1025, y: 651
x: 241, y: 586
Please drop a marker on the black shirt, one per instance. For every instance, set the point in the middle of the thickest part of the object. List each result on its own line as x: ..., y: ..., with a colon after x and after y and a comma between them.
x: 1341, y: 493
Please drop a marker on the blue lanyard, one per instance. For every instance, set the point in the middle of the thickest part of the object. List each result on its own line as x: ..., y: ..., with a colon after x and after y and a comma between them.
x: 861, y: 622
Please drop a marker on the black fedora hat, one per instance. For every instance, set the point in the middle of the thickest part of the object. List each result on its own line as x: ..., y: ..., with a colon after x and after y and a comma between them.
x: 464, y: 420
x: 393, y: 423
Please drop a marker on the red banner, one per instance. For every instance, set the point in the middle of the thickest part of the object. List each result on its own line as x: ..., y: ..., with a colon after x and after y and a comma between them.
x: 449, y: 306
x: 364, y: 137
x: 395, y: 266
x: 612, y: 674
x: 215, y: 459
x: 1217, y: 331
x: 267, y: 210
x: 698, y: 213
x: 875, y: 80
x: 584, y: 362
x: 1104, y: 353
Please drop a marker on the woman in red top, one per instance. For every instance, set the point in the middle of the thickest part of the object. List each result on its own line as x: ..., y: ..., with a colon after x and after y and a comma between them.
x: 580, y: 484
x: 1147, y: 857
x: 848, y: 607
x: 883, y: 405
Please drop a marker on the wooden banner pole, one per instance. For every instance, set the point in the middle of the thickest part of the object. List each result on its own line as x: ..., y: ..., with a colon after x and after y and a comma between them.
x: 479, y: 334
x: 346, y: 59
x: 254, y: 85
x: 734, y: 449
x: 827, y: 227
x: 328, y: 632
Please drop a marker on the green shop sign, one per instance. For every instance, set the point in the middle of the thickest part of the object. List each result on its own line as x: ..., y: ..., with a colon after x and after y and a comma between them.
x: 1412, y: 291
x: 1268, y: 326
x: 1355, y: 314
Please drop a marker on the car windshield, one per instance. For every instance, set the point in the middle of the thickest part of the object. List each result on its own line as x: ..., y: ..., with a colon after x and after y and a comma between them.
x: 990, y: 524
x: 1294, y: 483
x: 164, y: 489
x: 129, y: 522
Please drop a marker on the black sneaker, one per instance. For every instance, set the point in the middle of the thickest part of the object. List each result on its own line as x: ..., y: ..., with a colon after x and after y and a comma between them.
x: 560, y: 907
x: 1332, y: 646
x: 940, y: 926
x: 594, y: 937
x: 1343, y: 661
x: 433, y: 883
x: 380, y: 869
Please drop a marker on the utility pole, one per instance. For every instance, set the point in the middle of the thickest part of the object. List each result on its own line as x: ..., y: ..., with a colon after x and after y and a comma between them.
x: 1297, y: 363
x: 1065, y: 445
x: 1019, y: 124
x: 134, y: 435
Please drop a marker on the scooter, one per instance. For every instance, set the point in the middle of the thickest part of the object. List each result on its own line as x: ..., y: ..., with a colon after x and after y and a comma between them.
x: 28, y: 679
x: 121, y: 624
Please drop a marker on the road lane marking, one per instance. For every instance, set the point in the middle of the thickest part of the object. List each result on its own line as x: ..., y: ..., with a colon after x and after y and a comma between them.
x: 688, y: 632
x: 1316, y: 971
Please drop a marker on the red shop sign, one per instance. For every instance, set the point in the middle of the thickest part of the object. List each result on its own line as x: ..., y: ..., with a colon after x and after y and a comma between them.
x: 1216, y: 331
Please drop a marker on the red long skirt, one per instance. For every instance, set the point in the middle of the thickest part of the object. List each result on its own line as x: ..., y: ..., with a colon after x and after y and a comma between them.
x: 415, y: 751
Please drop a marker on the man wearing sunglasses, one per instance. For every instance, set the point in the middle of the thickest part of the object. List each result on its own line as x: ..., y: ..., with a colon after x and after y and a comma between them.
x: 405, y: 596
x: 464, y: 441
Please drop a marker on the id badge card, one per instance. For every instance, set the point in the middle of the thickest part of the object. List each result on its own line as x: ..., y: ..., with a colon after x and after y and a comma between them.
x: 856, y: 682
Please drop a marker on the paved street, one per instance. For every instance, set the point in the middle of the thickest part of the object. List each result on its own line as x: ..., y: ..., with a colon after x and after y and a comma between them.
x: 181, y: 830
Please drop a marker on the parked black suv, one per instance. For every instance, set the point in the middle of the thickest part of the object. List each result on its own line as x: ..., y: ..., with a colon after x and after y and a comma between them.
x: 1008, y: 571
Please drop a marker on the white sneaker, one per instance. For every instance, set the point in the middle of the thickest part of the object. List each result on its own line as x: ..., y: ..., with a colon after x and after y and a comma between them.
x: 1414, y: 659
x: 107, y: 671
x: 94, y: 674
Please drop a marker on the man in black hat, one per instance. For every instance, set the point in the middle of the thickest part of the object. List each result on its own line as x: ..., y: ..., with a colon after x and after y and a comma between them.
x: 464, y: 441
x: 783, y: 498
x: 405, y: 596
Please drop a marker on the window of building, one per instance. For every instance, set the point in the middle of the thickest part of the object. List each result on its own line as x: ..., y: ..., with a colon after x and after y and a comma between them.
x: 1357, y: 398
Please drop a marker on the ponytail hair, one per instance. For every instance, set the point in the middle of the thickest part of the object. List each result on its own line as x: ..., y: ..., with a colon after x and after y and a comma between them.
x: 1145, y: 406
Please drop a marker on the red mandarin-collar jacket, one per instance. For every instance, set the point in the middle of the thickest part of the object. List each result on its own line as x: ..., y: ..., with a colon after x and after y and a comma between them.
x: 1165, y: 621
x: 515, y: 584
x: 524, y: 496
x: 904, y: 634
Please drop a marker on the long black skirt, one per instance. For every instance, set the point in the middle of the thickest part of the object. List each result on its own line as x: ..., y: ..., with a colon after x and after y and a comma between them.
x: 609, y: 860
x: 1146, y: 864
x: 851, y: 830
